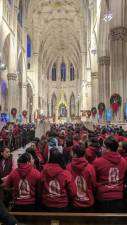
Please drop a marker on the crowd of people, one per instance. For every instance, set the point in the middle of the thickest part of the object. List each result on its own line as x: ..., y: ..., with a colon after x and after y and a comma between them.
x: 71, y: 168
x: 16, y: 135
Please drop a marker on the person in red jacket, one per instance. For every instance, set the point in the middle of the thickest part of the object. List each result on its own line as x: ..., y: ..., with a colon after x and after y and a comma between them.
x: 110, y: 170
x: 24, y: 180
x: 85, y: 179
x: 58, y: 186
x: 93, y: 150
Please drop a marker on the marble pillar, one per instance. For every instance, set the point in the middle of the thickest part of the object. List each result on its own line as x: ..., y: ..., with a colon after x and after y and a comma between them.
x: 89, y: 98
x: 24, y: 96
x: 12, y: 95
x: 118, y: 41
x: 94, y: 88
x: 104, y: 79
x: 35, y: 68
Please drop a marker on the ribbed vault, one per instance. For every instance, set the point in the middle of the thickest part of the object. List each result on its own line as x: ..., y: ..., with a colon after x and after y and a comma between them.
x: 60, y: 24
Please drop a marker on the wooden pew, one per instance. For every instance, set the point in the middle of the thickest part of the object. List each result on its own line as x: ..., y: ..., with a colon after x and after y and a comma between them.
x: 59, y: 218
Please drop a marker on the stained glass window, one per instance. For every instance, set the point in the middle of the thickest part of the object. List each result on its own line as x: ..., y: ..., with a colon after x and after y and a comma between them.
x: 63, y: 72
x: 29, y: 49
x: 54, y: 72
x: 72, y: 72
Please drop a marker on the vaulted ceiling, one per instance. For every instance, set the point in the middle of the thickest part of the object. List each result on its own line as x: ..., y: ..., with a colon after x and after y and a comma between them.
x: 61, y: 26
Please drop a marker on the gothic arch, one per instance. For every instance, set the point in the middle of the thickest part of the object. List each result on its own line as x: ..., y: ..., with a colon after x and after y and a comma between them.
x: 29, y: 81
x: 4, y: 80
x: 6, y: 50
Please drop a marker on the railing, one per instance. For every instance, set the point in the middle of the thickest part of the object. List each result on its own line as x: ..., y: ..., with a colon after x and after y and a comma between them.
x: 17, y: 141
x: 59, y: 218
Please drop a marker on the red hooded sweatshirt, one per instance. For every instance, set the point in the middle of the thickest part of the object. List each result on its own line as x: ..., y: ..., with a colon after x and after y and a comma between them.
x: 85, y: 179
x: 91, y: 153
x: 24, y: 181
x: 110, y: 170
x: 57, y: 186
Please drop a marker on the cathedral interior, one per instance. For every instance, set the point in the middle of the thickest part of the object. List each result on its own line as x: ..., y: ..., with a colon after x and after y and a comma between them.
x: 63, y: 59
x: 63, y: 87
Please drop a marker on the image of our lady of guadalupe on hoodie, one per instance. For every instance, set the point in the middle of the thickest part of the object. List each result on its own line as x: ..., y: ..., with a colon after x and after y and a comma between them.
x: 54, y: 188
x: 24, y: 189
x: 113, y: 176
x: 81, y: 186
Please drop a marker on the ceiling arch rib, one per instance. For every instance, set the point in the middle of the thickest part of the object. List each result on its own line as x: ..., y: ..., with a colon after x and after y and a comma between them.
x: 59, y: 23
x: 67, y: 49
x: 70, y: 54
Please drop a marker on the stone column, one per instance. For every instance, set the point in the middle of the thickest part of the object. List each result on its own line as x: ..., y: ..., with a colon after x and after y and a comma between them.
x: 83, y: 99
x: 24, y: 96
x: 35, y: 69
x: 118, y: 39
x: 94, y: 89
x: 12, y: 95
x: 104, y: 79
x: 89, y: 98
x: 50, y: 110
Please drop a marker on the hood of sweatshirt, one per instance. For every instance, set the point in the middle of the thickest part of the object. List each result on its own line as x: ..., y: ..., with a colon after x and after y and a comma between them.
x: 78, y: 164
x: 52, y: 169
x: 113, y: 157
x: 24, y: 169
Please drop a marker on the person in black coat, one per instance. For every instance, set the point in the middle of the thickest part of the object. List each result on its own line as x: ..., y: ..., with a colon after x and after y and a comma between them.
x: 5, y: 217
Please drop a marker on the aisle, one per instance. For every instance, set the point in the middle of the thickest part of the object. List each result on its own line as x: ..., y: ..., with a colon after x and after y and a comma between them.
x: 18, y: 152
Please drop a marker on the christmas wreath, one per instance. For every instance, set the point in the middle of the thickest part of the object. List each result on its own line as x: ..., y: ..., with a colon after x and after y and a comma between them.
x: 115, y: 102
x: 94, y: 111
x: 13, y: 112
x: 88, y: 113
x: 101, y: 108
x: 24, y: 113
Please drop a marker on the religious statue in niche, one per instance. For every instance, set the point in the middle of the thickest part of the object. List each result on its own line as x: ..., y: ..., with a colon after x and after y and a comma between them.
x: 62, y: 111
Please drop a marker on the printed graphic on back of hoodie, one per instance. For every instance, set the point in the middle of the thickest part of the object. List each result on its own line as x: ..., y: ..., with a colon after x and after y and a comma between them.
x: 113, y: 176
x: 24, y: 189
x: 54, y: 188
x: 81, y: 188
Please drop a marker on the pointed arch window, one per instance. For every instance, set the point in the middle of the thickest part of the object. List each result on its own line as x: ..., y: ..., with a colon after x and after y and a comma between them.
x: 72, y: 72
x: 63, y: 72
x: 54, y: 72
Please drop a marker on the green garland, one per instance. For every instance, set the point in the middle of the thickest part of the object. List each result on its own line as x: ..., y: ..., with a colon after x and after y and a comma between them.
x: 116, y: 98
x: 13, y: 111
x: 101, y: 106
x: 94, y: 110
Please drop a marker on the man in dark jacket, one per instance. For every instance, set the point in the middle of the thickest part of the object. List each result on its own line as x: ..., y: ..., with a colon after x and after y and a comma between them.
x: 5, y: 217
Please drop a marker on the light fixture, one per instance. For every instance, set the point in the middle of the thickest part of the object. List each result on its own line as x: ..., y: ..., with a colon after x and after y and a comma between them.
x: 108, y: 16
x: 94, y: 52
x: 2, y: 66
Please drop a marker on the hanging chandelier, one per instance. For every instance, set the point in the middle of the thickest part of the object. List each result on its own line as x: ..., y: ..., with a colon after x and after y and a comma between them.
x: 108, y: 16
